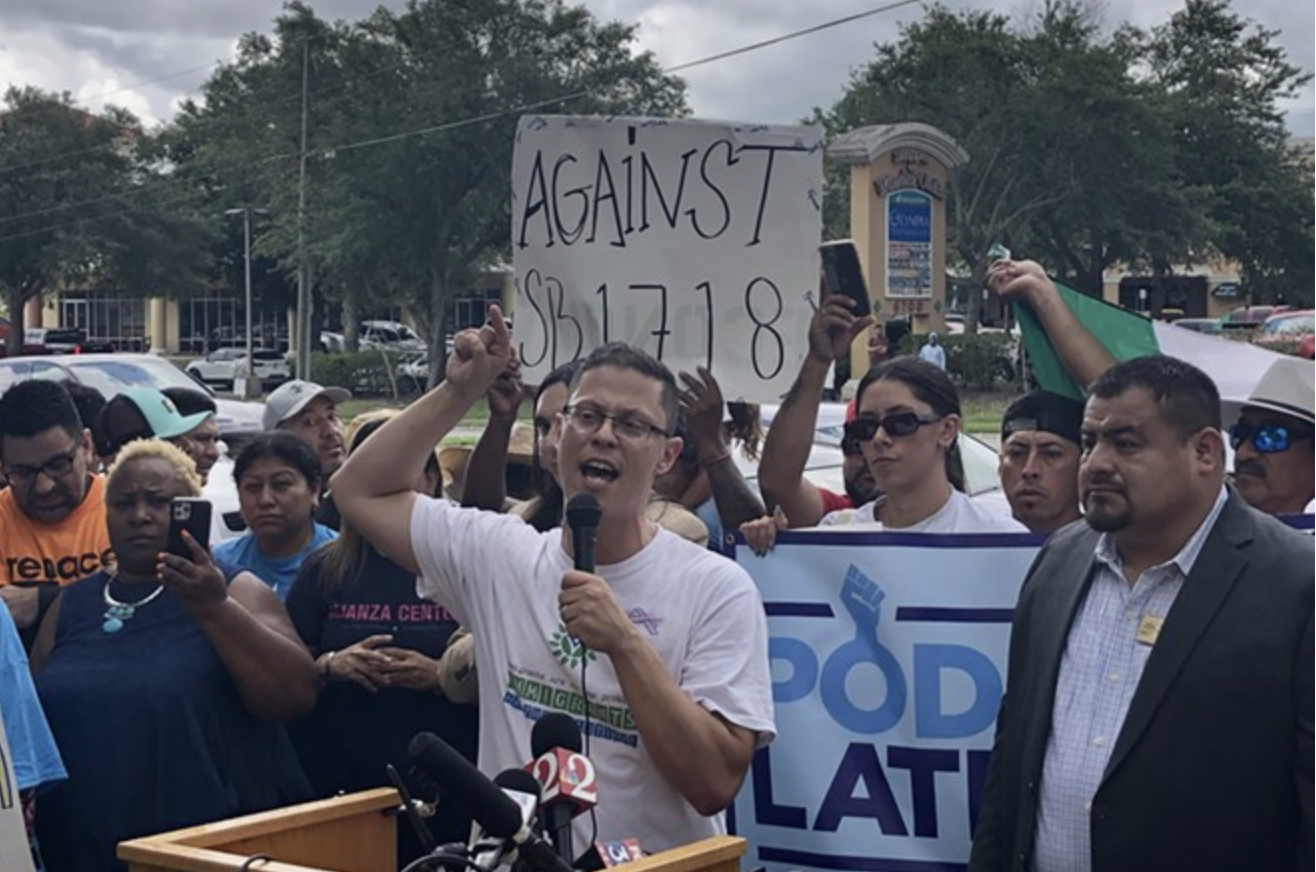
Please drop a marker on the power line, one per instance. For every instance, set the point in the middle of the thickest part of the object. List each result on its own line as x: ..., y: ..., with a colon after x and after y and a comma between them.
x: 166, y: 77
x: 448, y: 126
x: 817, y: 28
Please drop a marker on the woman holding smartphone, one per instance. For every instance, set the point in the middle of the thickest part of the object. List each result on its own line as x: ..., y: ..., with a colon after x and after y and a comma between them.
x: 164, y: 682
x: 907, y: 424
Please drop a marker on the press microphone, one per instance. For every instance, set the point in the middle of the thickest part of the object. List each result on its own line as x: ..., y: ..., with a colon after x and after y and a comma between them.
x: 583, y: 513
x: 412, y: 811
x: 522, y: 789
x: 566, y: 777
x: 499, y: 815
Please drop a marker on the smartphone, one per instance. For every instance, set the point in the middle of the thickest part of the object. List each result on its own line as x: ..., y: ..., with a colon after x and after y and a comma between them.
x: 843, y: 274
x: 193, y: 515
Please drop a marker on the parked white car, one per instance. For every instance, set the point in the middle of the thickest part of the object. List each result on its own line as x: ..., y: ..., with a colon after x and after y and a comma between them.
x: 112, y: 373
x: 221, y: 367
x: 387, y: 335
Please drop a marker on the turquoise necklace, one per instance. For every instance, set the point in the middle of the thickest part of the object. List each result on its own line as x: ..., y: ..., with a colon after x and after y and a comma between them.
x: 116, y: 613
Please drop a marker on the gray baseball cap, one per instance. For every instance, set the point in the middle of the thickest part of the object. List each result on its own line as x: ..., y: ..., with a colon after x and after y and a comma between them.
x: 291, y: 397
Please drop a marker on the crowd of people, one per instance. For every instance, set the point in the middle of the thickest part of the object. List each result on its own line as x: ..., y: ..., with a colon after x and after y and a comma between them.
x: 1159, y: 712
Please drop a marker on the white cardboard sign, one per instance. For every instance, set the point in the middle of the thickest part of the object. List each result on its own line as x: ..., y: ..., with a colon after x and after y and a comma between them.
x: 696, y: 241
x: 15, y: 854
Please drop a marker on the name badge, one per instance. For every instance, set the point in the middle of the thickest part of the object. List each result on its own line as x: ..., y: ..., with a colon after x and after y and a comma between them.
x: 1149, y: 629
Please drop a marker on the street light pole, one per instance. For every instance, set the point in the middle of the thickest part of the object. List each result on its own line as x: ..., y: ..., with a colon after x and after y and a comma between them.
x: 250, y: 367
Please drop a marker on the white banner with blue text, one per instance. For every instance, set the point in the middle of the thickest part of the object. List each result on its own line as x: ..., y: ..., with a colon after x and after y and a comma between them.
x: 888, y: 663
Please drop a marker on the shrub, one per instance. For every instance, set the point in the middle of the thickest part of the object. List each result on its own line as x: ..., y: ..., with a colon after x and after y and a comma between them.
x: 982, y: 361
x: 364, y: 373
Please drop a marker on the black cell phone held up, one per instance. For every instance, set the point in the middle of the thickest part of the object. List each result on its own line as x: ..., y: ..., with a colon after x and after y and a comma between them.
x: 843, y: 274
x: 193, y: 515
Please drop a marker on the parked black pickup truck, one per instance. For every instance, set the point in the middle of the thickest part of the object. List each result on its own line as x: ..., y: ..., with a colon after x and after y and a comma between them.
x: 66, y: 340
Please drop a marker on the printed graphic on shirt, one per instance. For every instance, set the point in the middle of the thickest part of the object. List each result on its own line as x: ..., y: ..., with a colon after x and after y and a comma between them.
x: 567, y: 650
x: 56, y: 569
x: 608, y: 719
x: 609, y: 716
x: 404, y: 613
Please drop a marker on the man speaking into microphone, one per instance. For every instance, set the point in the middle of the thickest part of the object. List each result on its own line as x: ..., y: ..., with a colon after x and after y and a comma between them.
x: 659, y: 651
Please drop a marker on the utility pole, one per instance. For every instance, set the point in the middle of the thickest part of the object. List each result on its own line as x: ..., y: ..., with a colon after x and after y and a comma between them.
x: 250, y: 367
x: 303, y: 277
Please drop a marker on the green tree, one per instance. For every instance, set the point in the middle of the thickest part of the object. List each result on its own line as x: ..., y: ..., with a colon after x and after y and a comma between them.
x: 1126, y: 204
x: 995, y: 91
x: 1088, y: 150
x: 1223, y: 78
x: 412, y: 122
x: 83, y: 200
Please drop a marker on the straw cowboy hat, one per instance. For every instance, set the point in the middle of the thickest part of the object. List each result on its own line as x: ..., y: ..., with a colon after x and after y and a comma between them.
x: 520, y: 453
x: 1288, y: 387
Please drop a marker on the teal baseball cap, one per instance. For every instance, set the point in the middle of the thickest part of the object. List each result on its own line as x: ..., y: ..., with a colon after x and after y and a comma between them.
x: 140, y: 413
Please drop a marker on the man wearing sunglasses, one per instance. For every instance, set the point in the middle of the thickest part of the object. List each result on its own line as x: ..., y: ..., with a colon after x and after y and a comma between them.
x: 1271, y: 434
x: 1273, y: 443
x: 52, y: 515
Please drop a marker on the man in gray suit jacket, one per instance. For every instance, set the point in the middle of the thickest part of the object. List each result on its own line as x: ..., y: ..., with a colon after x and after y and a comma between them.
x: 1159, y: 708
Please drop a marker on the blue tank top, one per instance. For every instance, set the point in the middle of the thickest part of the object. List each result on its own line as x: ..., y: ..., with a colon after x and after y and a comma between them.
x: 154, y: 733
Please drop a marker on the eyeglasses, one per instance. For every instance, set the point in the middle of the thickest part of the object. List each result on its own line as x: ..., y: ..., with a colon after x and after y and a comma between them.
x: 896, y: 424
x: 851, y: 447
x: 1266, y: 438
x: 55, y: 468
x: 588, y: 420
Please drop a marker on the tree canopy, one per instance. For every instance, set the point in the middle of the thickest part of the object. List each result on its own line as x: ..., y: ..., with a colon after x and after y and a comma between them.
x: 411, y: 119
x: 83, y: 200
x: 1090, y: 149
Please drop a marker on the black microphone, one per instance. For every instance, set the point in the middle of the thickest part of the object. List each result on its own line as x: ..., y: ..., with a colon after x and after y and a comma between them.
x: 492, y: 809
x: 423, y: 834
x: 565, y: 775
x: 583, y: 513
x: 525, y: 793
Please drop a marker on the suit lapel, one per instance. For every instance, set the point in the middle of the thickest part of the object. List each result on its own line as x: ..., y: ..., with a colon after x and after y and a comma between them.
x: 1065, y: 590
x: 1216, y: 570
x: 1060, y: 587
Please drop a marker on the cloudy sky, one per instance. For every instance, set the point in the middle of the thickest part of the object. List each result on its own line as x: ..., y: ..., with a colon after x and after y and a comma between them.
x: 147, y: 54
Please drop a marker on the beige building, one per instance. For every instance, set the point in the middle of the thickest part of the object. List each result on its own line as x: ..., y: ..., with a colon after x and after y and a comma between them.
x: 197, y: 324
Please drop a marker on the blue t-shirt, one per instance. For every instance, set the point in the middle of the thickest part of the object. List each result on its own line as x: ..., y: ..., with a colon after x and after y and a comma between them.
x: 242, y: 553
x: 31, y: 745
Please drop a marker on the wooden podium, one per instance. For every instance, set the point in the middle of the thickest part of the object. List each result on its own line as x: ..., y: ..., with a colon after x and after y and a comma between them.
x: 350, y: 833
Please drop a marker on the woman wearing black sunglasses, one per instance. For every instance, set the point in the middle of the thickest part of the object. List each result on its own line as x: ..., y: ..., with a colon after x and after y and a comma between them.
x: 907, y: 426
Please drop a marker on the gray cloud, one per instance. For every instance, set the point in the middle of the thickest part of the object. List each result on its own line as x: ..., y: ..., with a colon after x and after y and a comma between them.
x: 90, y: 47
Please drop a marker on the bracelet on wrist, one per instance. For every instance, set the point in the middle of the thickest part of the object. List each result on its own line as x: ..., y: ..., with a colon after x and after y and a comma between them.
x: 714, y: 459
x: 325, y: 664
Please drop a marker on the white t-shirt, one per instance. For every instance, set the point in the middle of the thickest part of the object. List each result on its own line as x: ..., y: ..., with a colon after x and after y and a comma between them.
x: 960, y: 514
x: 701, y: 612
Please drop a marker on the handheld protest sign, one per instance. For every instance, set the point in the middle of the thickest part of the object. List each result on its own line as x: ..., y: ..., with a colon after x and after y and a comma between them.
x: 696, y: 241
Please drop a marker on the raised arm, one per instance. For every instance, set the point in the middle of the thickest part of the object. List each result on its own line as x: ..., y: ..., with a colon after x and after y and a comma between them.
x: 1025, y: 282
x: 486, y: 480
x: 790, y: 437
x: 374, y: 488
x: 702, y: 405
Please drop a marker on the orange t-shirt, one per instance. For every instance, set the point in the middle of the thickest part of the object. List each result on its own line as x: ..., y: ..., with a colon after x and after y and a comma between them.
x: 31, y: 551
